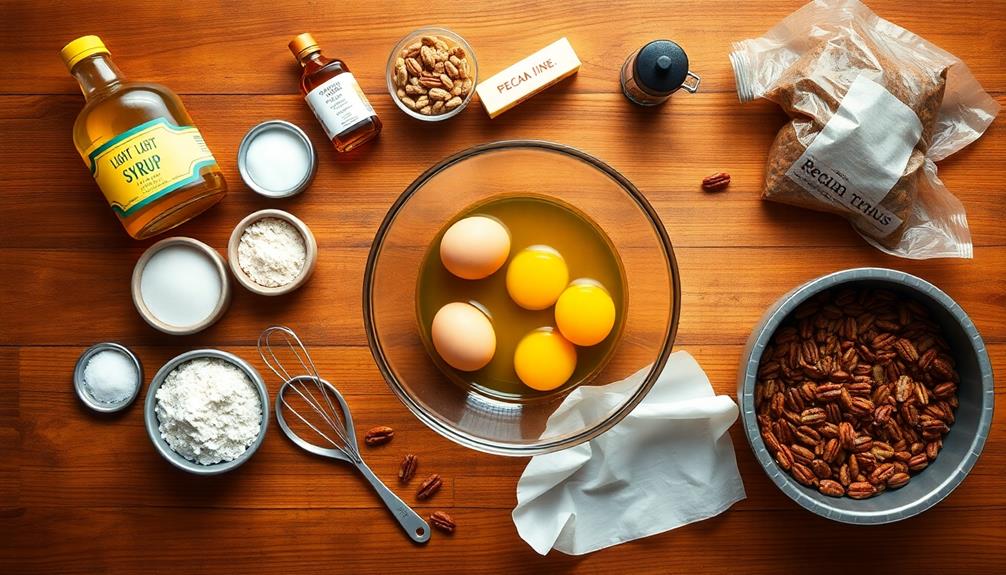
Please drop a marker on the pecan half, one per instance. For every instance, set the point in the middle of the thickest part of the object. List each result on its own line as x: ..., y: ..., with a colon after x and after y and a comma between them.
x: 408, y: 469
x: 813, y: 416
x: 846, y: 435
x: 831, y: 488
x: 906, y: 350
x: 716, y: 182
x: 932, y: 450
x: 770, y: 441
x: 861, y: 490
x: 801, y: 454
x: 820, y: 469
x: 429, y: 487
x: 784, y: 457
x: 882, y: 473
x: 379, y: 435
x: 832, y: 450
x: 897, y: 480
x: 918, y: 462
x: 442, y: 521
x: 804, y: 475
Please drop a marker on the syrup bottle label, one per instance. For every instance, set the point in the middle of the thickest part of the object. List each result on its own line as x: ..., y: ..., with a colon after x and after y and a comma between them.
x: 339, y: 104
x: 147, y: 162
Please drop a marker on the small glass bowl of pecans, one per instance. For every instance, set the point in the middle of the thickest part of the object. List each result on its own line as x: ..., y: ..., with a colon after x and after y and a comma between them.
x: 432, y: 73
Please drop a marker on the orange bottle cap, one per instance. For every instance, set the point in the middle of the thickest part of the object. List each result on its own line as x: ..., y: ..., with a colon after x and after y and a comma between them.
x: 303, y: 44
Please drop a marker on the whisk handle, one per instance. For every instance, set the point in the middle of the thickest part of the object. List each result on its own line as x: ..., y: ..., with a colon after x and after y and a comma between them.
x: 415, y: 527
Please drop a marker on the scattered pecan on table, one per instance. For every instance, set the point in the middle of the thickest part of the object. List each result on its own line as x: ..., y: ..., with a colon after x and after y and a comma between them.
x: 429, y: 487
x: 379, y: 435
x: 408, y: 469
x: 716, y: 182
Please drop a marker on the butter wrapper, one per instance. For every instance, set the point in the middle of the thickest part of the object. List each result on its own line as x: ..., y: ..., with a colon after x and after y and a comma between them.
x: 517, y: 83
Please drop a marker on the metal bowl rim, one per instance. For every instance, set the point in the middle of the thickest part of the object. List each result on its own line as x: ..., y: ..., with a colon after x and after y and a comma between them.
x: 78, y: 377
x: 151, y: 422
x: 767, y: 326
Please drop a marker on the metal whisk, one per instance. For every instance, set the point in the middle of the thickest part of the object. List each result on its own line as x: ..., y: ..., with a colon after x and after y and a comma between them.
x: 315, y: 405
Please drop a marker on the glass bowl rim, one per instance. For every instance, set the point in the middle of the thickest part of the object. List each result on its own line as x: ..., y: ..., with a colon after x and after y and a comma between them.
x: 502, y: 447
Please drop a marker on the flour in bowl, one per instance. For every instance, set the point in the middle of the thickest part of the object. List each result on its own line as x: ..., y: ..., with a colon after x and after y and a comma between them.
x: 272, y: 252
x: 209, y: 411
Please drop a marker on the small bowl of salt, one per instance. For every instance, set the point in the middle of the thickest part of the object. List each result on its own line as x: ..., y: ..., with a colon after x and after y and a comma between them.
x: 107, y: 377
x: 272, y: 252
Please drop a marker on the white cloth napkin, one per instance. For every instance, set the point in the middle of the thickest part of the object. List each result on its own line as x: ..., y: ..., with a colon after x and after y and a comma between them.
x: 668, y: 463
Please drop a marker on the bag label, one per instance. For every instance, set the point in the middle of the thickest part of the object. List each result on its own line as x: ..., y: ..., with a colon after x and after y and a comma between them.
x: 339, y: 104
x: 861, y: 153
x: 147, y: 162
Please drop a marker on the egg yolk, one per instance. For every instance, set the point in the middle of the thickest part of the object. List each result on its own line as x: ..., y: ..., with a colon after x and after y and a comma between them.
x: 544, y: 359
x: 536, y: 276
x: 585, y: 313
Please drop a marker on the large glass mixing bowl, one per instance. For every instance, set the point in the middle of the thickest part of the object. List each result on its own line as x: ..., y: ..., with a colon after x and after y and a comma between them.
x: 473, y: 176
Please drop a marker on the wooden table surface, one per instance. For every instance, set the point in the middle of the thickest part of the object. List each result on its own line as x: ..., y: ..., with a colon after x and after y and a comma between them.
x: 87, y: 494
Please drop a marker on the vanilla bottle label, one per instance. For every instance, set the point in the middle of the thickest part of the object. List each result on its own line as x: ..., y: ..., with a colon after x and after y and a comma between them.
x: 339, y: 104
x: 147, y: 162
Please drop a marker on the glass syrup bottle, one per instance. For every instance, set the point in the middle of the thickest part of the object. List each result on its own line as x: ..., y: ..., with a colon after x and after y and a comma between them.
x: 334, y: 96
x: 147, y: 157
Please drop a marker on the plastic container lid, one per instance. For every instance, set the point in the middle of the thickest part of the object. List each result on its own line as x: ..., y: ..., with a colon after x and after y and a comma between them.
x: 661, y: 67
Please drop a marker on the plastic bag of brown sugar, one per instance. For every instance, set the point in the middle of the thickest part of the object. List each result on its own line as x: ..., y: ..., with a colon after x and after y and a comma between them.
x: 872, y: 107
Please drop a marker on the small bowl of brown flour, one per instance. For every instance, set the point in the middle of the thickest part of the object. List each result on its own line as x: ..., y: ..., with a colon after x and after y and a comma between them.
x: 207, y: 411
x: 272, y: 252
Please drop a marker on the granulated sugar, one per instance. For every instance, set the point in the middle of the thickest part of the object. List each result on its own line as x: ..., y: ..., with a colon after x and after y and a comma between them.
x: 209, y: 411
x: 110, y: 376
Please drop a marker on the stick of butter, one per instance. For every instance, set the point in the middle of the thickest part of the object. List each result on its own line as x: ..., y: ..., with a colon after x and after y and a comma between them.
x: 526, y: 78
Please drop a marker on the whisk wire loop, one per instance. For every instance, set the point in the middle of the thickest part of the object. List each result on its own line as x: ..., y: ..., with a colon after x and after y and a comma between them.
x: 325, y: 408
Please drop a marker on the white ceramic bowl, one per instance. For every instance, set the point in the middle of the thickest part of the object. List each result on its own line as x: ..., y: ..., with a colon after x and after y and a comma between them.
x: 225, y: 287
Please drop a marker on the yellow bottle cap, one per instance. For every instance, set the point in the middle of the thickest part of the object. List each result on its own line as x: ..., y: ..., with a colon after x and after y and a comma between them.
x: 81, y: 48
x: 303, y: 44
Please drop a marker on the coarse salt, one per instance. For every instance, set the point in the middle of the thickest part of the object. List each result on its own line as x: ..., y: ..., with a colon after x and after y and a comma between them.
x: 209, y: 411
x: 110, y: 376
x: 272, y: 252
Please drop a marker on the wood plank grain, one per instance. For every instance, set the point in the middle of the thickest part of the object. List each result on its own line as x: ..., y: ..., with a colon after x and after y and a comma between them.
x: 194, y: 55
x: 87, y: 494
x: 83, y: 475
x: 724, y: 292
x: 365, y: 541
x: 51, y: 201
x: 10, y: 430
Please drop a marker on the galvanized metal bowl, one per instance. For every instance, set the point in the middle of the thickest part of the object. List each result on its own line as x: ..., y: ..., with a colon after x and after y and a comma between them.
x: 152, y: 423
x: 961, y: 447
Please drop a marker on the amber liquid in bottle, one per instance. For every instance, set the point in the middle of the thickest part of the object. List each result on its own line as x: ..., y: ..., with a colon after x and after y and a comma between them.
x: 319, y: 71
x: 115, y: 106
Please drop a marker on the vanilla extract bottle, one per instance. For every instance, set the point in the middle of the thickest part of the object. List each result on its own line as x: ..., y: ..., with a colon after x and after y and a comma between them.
x: 334, y: 96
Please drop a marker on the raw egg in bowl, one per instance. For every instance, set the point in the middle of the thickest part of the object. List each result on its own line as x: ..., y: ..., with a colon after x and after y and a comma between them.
x: 535, y: 192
